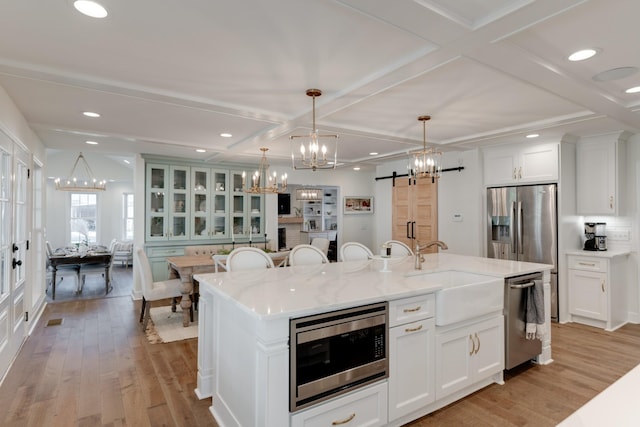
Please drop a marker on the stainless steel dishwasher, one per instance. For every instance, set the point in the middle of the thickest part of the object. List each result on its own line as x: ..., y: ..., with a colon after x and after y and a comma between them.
x: 517, y: 348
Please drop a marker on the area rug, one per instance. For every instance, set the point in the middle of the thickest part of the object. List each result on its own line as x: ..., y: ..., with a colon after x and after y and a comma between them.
x: 166, y: 326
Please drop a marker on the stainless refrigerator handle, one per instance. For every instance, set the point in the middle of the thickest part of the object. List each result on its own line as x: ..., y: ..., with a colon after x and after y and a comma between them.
x: 520, y: 245
x: 512, y: 226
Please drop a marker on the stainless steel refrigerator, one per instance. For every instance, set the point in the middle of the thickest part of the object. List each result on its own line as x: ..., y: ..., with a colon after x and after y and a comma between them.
x: 523, y: 226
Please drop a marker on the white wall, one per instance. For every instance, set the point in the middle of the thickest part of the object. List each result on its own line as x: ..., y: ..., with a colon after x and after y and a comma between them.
x: 459, y: 193
x: 110, y: 223
x: 359, y: 228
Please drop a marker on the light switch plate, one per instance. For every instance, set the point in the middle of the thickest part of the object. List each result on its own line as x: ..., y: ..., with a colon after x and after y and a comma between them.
x: 457, y: 218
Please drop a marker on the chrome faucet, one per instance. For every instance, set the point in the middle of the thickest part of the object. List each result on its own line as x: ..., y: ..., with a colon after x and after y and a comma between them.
x: 420, y: 258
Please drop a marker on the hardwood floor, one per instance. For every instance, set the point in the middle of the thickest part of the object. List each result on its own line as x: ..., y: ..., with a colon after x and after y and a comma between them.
x: 97, y: 369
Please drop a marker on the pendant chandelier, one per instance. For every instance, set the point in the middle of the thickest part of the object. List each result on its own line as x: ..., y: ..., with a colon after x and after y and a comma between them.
x: 314, y: 156
x: 262, y: 181
x: 80, y: 183
x: 309, y: 194
x: 427, y: 163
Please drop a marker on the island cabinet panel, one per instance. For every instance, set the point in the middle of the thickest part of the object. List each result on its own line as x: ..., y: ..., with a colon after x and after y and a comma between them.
x: 411, y: 354
x: 365, y: 407
x: 411, y: 367
x: 468, y: 354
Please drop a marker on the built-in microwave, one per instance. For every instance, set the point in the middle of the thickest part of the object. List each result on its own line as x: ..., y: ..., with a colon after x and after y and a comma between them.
x: 335, y: 352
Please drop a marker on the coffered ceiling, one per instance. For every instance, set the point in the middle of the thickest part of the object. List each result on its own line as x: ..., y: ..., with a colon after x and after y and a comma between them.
x: 169, y: 76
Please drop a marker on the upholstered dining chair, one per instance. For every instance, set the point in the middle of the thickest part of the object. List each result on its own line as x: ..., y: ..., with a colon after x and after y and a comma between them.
x: 248, y: 258
x: 353, y: 251
x: 154, y: 291
x: 399, y: 248
x: 306, y: 255
x: 321, y: 243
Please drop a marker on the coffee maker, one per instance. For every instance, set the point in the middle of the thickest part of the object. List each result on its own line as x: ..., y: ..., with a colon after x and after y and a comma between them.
x: 590, y: 236
x: 601, y: 236
x: 595, y: 238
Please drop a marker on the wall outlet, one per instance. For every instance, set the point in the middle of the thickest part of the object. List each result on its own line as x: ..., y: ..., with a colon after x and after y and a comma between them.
x: 622, y: 235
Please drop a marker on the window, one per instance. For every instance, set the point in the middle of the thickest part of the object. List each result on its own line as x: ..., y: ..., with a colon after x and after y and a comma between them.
x: 84, y: 209
x: 127, y: 214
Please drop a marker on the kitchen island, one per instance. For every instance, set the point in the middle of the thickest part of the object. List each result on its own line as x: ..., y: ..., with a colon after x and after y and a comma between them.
x: 244, y: 320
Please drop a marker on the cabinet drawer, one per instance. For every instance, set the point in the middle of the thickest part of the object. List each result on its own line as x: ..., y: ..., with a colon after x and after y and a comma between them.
x: 165, y: 251
x: 366, y: 407
x: 588, y: 263
x: 411, y: 309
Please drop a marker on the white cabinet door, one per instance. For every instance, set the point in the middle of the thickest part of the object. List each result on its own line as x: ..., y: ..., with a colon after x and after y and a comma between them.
x: 488, y: 356
x: 588, y: 294
x: 411, y: 373
x: 508, y: 165
x: 454, y: 350
x: 597, y: 177
x: 538, y: 163
x: 468, y: 354
x: 500, y: 166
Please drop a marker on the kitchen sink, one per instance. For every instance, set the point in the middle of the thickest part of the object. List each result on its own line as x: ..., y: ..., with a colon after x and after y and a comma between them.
x: 463, y: 295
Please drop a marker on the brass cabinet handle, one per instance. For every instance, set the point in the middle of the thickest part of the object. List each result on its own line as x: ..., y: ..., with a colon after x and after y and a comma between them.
x: 477, y: 349
x: 346, y: 420
x: 610, y: 202
x: 602, y: 285
x: 588, y: 264
x: 514, y: 173
x: 473, y: 343
x: 412, y: 310
x: 520, y: 173
x: 413, y: 329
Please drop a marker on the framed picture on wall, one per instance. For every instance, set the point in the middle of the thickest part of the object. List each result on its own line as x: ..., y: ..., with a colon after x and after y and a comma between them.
x: 358, y: 205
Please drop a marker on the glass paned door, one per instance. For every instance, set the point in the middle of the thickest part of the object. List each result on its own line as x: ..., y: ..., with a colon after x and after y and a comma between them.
x: 201, y: 203
x: 179, y: 187
x: 157, y: 188
x: 15, y: 208
x: 220, y: 204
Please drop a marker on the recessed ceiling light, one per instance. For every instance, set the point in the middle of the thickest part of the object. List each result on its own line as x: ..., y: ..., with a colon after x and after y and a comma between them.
x: 92, y: 143
x: 356, y: 168
x: 91, y: 114
x: 615, y: 74
x: 533, y: 135
x: 200, y: 150
x: 90, y: 8
x: 633, y: 89
x: 373, y: 153
x: 583, y: 54
x: 127, y: 161
x: 226, y: 135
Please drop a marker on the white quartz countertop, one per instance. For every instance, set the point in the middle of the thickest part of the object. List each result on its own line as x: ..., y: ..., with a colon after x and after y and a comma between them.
x: 600, y: 254
x: 303, y: 290
x: 616, y: 406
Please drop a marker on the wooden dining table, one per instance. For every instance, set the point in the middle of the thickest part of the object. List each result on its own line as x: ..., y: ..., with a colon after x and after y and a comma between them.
x: 184, y: 267
x: 77, y: 260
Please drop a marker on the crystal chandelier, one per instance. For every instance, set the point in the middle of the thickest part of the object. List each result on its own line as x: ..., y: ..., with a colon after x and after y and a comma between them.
x: 427, y: 163
x: 313, y: 156
x: 262, y: 181
x: 80, y: 183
